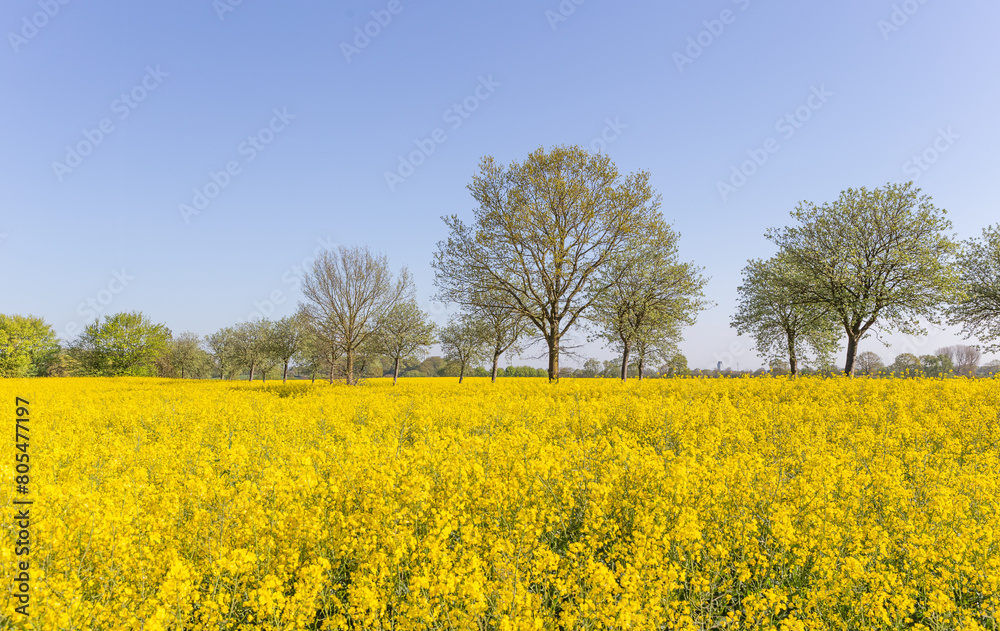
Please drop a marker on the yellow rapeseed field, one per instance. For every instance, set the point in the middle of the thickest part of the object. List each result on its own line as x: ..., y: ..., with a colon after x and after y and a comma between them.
x: 668, y: 504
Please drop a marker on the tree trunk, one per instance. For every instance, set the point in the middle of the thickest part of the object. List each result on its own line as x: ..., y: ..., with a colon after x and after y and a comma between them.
x: 642, y: 365
x: 625, y: 354
x: 852, y: 351
x: 496, y: 363
x: 333, y: 367
x: 793, y: 367
x: 284, y: 374
x: 395, y: 371
x: 251, y: 372
x: 461, y: 372
x: 553, y: 341
x: 350, y: 367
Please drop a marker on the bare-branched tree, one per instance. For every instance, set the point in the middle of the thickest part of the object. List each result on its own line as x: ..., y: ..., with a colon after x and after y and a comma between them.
x: 964, y: 358
x: 868, y: 363
x: 347, y: 292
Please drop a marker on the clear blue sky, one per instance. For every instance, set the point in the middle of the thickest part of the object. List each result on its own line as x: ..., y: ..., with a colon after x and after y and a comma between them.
x: 868, y: 85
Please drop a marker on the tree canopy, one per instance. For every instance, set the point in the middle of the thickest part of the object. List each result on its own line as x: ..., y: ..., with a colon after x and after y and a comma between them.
x: 542, y: 230
x: 873, y: 257
x: 126, y: 343
x: 28, y: 346
x: 648, y: 296
x: 977, y: 311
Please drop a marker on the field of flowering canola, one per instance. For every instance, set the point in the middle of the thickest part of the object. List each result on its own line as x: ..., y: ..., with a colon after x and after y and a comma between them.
x: 667, y: 504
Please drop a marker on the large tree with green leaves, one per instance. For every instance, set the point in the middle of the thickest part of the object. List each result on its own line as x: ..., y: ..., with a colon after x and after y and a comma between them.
x: 782, y: 327
x: 404, y: 333
x: 873, y: 257
x: 28, y: 346
x: 977, y: 311
x: 126, y: 343
x: 649, y: 296
x: 542, y: 230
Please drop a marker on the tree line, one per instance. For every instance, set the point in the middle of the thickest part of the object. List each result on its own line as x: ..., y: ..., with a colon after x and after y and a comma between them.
x: 130, y: 344
x: 562, y: 243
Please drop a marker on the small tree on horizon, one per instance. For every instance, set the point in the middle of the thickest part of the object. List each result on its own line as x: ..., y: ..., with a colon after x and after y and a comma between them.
x: 964, y: 358
x: 869, y: 363
x: 503, y: 328
x: 185, y: 352
x: 285, y: 339
x: 222, y: 349
x: 463, y: 342
x: 650, y: 295
x: 250, y: 345
x: 404, y: 333
x: 783, y: 328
